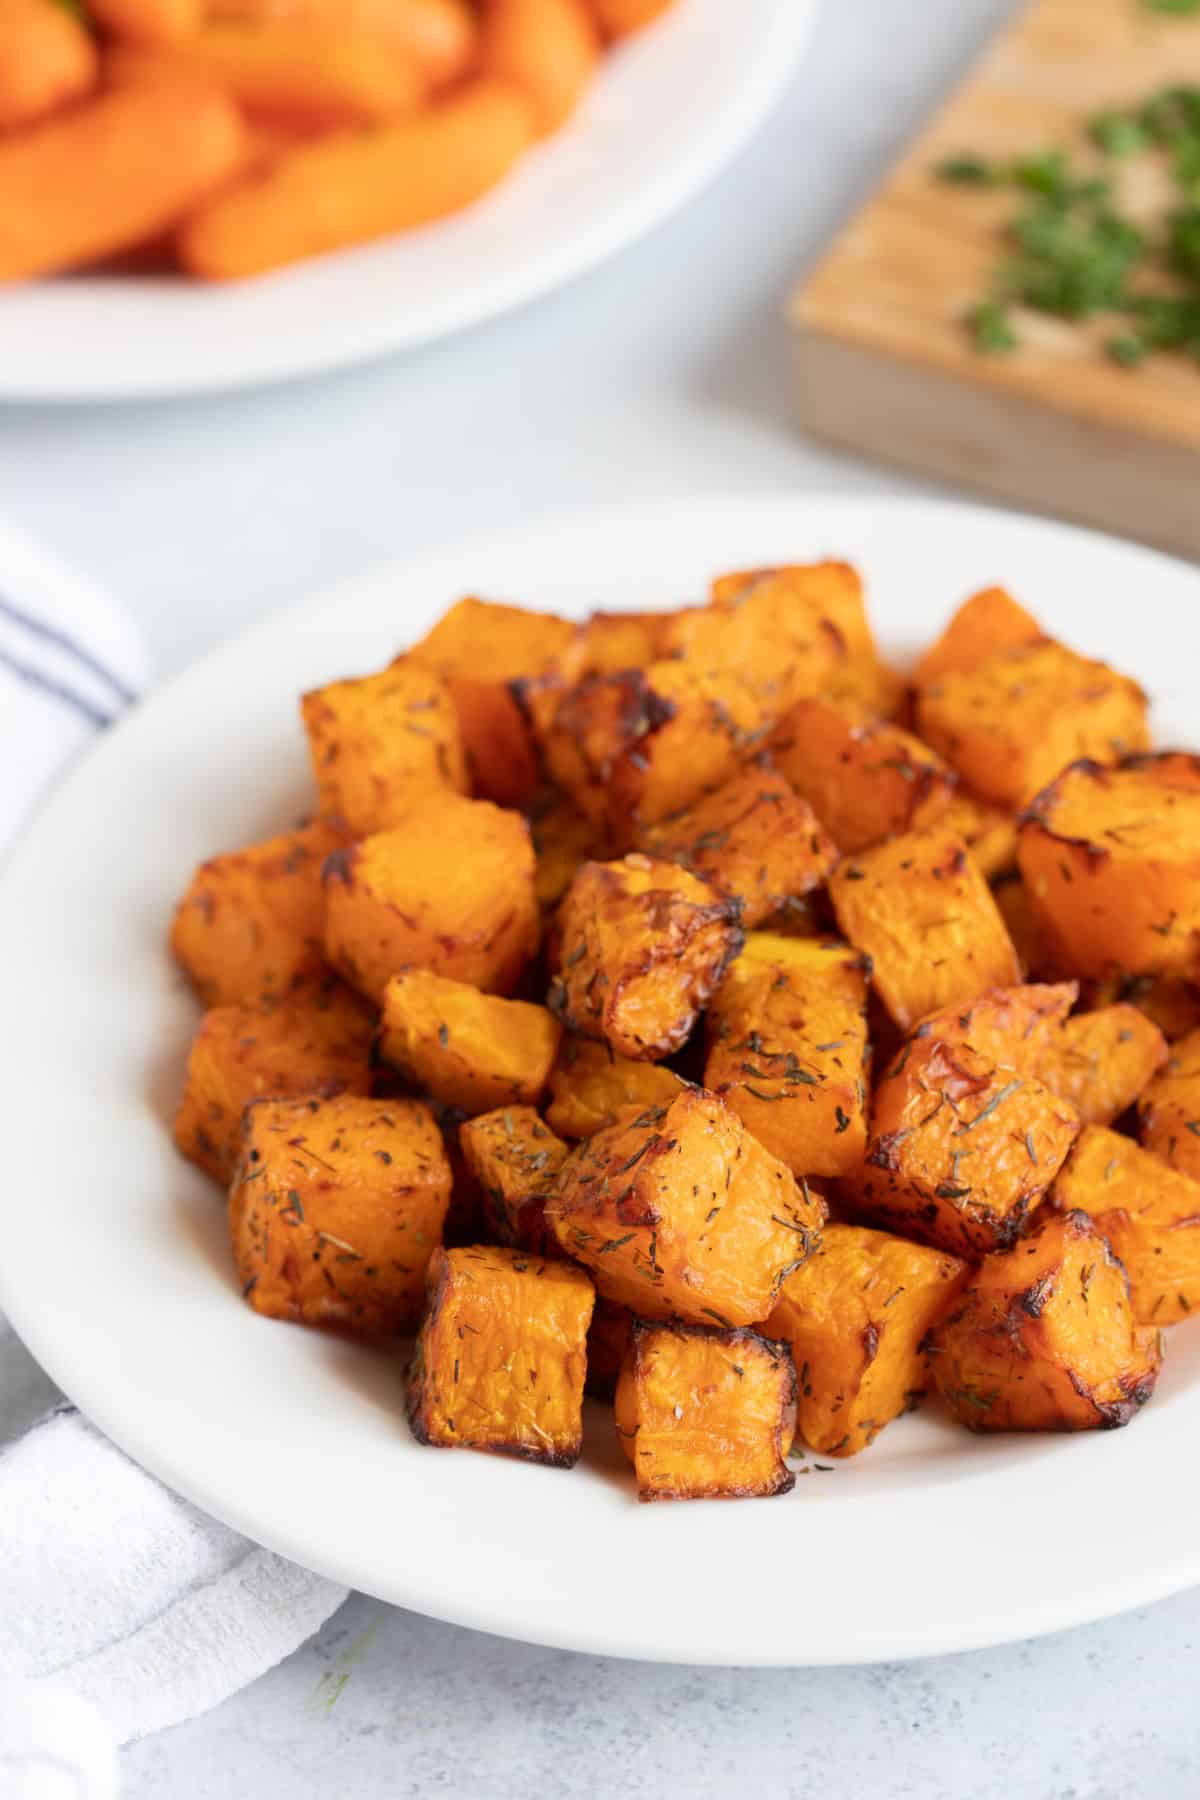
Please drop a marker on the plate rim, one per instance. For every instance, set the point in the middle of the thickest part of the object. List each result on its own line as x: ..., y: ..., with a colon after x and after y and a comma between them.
x: 106, y: 1410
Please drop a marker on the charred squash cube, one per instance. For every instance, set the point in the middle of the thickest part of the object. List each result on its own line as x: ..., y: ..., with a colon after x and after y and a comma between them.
x: 832, y: 592
x: 450, y: 889
x: 590, y: 1087
x: 1010, y: 724
x: 775, y: 642
x: 1101, y: 1061
x: 1149, y: 1214
x: 1111, y: 858
x: 1013, y: 1027
x: 706, y: 1415
x: 787, y: 1050
x: 609, y: 642
x: 335, y: 1209
x: 318, y: 1042
x: 961, y: 1149
x: 865, y: 780
x: 377, y: 740
x: 856, y: 1317
x: 478, y: 647
x: 986, y: 625
x: 920, y: 909
x: 463, y: 1047
x: 679, y: 1212
x: 1172, y: 1002
x: 1044, y: 1338
x: 251, y: 924
x: 500, y: 1360
x: 633, y: 747
x: 753, y: 839
x: 516, y: 1160
x: 643, y: 945
x: 1169, y: 1109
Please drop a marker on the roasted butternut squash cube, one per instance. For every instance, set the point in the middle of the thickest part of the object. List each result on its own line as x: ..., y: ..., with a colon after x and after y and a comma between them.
x: 1111, y: 858
x: 1149, y: 1213
x: 989, y: 832
x: 317, y: 1042
x: 829, y: 590
x: 376, y: 741
x: 832, y: 591
x: 643, y: 943
x: 753, y: 839
x: 961, y: 1149
x: 1169, y: 1109
x: 856, y: 1316
x: 1044, y: 1337
x: 450, y: 889
x: 706, y: 1415
x: 985, y: 625
x: 865, y: 780
x: 609, y: 642
x: 335, y: 1209
x: 1010, y: 724
x: 679, y: 1212
x: 608, y: 1341
x: 920, y: 909
x: 501, y: 1356
x: 516, y: 1160
x: 1013, y: 1027
x: 1172, y: 1002
x: 775, y: 642
x: 787, y: 1050
x: 590, y: 1087
x: 479, y: 647
x: 632, y: 747
x: 1101, y: 1061
x: 251, y: 924
x: 562, y: 839
x: 466, y: 1048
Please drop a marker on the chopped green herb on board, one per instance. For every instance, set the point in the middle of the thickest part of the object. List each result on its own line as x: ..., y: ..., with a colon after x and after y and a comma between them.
x: 1073, y: 252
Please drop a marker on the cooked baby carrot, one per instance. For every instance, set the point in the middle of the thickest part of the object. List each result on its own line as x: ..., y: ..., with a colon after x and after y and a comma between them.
x: 548, y: 48
x: 440, y: 34
x: 292, y: 72
x: 112, y: 174
x: 147, y: 21
x: 47, y: 58
x: 617, y: 18
x: 353, y: 188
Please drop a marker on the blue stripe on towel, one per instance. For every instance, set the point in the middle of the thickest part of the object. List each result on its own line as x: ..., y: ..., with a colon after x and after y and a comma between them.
x: 61, y: 640
x: 56, y: 689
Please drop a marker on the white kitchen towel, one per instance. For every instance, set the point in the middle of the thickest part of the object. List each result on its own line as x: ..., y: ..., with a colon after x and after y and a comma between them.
x: 122, y: 1608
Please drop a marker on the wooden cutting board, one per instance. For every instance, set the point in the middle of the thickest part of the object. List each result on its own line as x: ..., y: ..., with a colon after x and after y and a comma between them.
x: 883, y: 363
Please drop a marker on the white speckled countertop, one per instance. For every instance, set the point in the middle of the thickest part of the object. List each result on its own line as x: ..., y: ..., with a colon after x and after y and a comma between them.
x: 662, y: 373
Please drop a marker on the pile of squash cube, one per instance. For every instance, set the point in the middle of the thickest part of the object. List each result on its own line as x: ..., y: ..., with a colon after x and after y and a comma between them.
x: 685, y: 1008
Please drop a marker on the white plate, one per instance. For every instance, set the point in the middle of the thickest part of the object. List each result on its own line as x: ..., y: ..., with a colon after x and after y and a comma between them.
x: 113, y: 1259
x: 669, y: 108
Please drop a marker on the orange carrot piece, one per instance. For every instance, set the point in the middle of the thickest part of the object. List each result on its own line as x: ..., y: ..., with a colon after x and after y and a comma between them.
x: 353, y: 188
x: 618, y: 18
x: 549, y: 48
x: 47, y: 58
x: 295, y: 73
x: 439, y: 34
x: 112, y: 174
x: 147, y: 21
